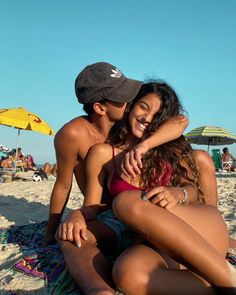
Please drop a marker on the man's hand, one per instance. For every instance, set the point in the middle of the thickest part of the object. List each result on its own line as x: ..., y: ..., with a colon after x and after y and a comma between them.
x: 165, y: 197
x: 74, y: 228
x: 132, y: 162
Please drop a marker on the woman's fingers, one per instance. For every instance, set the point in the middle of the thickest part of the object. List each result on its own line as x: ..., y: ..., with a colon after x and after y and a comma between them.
x: 161, y: 196
x: 77, y: 237
x: 73, y: 232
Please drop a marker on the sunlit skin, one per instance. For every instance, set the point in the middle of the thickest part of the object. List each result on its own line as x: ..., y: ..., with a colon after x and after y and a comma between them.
x: 142, y: 113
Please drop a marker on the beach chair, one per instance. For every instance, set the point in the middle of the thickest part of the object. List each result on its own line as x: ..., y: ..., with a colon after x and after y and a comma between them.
x: 216, y: 156
x: 227, y: 166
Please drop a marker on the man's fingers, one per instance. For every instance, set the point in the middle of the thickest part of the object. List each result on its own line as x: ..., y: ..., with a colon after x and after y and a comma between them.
x: 138, y: 158
x: 133, y: 163
x: 126, y: 174
x: 127, y: 169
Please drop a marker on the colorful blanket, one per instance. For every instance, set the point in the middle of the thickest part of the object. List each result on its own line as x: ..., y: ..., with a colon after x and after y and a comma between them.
x: 45, y: 264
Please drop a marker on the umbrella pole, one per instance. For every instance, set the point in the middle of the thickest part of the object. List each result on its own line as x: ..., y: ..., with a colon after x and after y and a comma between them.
x: 17, y: 143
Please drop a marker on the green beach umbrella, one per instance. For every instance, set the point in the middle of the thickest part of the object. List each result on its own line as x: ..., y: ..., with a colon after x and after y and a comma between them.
x: 211, y: 135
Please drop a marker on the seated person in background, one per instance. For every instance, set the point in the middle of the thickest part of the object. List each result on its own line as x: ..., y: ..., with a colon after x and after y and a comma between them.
x: 229, y: 158
x: 11, y: 160
x: 54, y: 170
x: 6, y: 163
x: 50, y: 170
x: 30, y: 162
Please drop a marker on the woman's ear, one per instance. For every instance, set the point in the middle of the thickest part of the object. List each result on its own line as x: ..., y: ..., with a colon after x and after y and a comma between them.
x: 100, y: 108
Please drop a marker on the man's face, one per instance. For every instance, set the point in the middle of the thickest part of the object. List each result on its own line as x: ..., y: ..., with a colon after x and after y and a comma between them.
x: 115, y: 110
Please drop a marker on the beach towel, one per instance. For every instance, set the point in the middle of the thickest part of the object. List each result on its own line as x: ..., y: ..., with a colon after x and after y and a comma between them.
x: 43, y: 264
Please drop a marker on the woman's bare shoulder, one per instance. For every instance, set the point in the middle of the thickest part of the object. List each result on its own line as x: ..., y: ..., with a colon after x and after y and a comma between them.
x: 100, y: 154
x: 101, y: 150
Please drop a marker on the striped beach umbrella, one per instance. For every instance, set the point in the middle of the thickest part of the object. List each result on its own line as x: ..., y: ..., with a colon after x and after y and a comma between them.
x: 211, y: 135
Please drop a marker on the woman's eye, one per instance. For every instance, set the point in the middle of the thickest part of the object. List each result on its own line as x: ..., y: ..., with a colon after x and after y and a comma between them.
x: 143, y: 107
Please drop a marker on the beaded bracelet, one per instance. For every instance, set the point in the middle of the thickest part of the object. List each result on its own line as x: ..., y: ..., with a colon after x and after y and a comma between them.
x: 184, y: 201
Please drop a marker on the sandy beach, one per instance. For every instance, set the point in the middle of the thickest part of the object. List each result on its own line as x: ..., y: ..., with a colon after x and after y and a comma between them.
x: 24, y: 201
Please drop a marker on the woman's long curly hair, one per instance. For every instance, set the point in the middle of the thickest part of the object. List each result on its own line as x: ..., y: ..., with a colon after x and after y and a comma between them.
x: 178, y: 153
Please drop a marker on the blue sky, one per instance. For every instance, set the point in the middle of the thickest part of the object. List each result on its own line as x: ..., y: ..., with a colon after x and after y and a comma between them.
x: 44, y: 45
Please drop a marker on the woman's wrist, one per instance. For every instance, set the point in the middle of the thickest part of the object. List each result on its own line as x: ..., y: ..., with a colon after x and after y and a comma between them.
x: 185, y: 199
x: 188, y: 195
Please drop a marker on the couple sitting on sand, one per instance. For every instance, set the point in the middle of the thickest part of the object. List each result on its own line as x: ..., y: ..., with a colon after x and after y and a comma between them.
x: 148, y: 197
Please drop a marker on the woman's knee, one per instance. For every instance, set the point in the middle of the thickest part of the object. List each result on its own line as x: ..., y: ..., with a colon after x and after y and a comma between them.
x: 126, y: 205
x: 132, y: 270
x: 128, y: 277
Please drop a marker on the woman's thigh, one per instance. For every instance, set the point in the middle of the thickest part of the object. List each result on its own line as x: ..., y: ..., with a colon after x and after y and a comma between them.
x: 207, y: 221
x: 142, y: 270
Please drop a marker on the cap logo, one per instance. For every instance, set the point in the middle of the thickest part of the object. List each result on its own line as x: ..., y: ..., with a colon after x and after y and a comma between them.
x: 116, y: 73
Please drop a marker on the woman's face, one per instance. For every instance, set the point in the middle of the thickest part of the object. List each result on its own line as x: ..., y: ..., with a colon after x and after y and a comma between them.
x: 143, y: 112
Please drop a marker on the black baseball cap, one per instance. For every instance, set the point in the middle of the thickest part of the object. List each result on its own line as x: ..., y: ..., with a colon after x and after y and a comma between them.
x: 101, y: 81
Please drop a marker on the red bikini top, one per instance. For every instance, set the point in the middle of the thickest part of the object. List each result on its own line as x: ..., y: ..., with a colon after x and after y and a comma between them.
x: 118, y: 184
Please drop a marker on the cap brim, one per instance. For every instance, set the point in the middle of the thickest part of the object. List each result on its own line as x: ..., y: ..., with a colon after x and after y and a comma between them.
x: 127, y: 91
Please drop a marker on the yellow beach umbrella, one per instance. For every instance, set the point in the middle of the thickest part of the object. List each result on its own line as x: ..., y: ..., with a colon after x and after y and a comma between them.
x: 20, y: 118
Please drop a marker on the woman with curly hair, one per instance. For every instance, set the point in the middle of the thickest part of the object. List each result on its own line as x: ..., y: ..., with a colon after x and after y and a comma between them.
x: 179, y: 243
x: 184, y: 240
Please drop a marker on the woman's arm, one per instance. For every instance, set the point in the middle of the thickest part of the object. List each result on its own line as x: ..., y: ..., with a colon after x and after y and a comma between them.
x: 183, y: 194
x: 95, y: 173
x: 74, y: 227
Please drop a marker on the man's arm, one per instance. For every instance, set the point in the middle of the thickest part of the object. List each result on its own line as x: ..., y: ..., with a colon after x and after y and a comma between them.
x: 66, y: 153
x: 168, y: 131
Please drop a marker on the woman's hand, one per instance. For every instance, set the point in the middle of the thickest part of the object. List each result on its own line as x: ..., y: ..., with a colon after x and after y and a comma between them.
x: 73, y: 228
x: 132, y: 162
x: 165, y: 197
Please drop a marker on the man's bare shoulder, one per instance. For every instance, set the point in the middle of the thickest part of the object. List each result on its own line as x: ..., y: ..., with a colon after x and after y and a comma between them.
x: 74, y: 129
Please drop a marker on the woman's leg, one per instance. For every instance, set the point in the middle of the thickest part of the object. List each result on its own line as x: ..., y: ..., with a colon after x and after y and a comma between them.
x: 206, y: 170
x: 208, y: 183
x: 177, y: 233
x: 141, y: 270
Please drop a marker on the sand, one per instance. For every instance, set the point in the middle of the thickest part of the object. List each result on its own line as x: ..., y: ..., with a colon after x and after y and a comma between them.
x: 24, y: 201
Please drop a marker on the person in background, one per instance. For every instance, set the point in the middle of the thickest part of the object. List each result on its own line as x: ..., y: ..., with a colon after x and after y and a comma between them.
x: 30, y: 162
x: 228, y: 160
